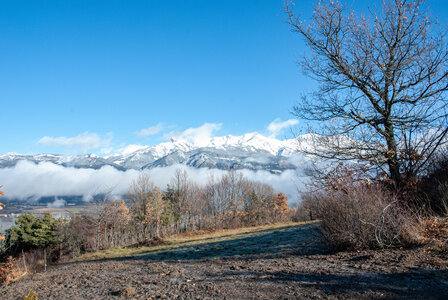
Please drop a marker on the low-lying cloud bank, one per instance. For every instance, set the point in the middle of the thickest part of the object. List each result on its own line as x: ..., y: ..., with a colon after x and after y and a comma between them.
x: 28, y: 180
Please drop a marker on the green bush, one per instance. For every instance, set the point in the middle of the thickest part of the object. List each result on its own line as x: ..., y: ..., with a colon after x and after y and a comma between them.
x: 31, y: 232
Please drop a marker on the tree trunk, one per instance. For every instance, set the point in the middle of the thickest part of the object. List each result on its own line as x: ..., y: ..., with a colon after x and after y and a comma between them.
x: 45, y: 259
x: 24, y: 262
x: 392, y: 156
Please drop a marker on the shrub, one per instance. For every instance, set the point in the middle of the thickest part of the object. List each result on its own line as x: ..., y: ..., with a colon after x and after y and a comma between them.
x: 14, y: 268
x: 6, y: 273
x: 308, y: 208
x: 31, y: 232
x: 366, y: 216
x: 432, y: 196
x: 128, y: 292
x: 78, y: 235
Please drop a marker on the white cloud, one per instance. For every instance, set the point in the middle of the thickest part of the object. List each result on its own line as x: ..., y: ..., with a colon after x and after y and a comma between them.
x: 107, y: 150
x: 276, y: 126
x: 57, y: 203
x: 196, y: 135
x: 150, y: 131
x: 28, y: 180
x: 84, y: 141
x: 130, y: 149
x: 47, y: 179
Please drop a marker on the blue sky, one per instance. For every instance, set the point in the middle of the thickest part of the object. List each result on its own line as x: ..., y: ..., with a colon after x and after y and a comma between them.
x: 95, y: 76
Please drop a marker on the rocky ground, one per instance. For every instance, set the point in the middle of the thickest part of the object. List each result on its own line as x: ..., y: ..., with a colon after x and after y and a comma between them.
x: 288, y: 263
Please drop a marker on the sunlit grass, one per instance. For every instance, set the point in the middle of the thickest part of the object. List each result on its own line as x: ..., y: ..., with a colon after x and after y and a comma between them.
x: 74, y: 210
x: 188, y: 239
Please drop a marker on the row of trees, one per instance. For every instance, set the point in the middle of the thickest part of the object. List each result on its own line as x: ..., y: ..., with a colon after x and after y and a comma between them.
x: 147, y: 213
x: 228, y: 202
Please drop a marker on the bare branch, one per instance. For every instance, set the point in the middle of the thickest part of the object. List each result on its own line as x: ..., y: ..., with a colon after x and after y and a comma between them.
x: 383, y: 82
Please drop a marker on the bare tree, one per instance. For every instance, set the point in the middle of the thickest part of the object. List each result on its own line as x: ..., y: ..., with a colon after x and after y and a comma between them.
x: 382, y: 82
x: 146, y: 206
x: 186, y: 200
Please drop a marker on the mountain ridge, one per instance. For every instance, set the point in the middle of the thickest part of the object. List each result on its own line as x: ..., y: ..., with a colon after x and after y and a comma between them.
x: 251, y: 151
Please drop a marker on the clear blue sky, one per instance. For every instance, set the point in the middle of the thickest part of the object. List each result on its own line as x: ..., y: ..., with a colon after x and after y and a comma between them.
x: 102, y: 71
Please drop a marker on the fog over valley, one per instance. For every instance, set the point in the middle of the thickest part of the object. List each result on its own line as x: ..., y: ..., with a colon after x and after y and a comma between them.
x: 259, y: 158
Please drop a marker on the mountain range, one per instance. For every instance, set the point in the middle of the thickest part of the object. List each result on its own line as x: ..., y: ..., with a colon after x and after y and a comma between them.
x: 250, y: 151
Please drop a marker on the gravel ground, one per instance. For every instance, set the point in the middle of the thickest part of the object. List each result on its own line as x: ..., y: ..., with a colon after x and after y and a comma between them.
x: 287, y: 263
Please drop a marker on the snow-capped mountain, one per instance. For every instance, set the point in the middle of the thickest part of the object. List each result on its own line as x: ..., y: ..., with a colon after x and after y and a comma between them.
x: 250, y: 151
x: 90, y: 161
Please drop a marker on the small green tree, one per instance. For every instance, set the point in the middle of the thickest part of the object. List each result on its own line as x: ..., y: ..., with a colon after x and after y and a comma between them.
x: 171, y: 213
x: 45, y: 234
x: 31, y: 232
x: 253, y: 209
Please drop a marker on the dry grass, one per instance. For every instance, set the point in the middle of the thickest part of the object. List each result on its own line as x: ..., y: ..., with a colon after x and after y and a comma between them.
x: 15, y: 268
x: 202, y: 235
x: 188, y: 239
x: 30, y: 296
x: 362, y: 216
x: 435, y: 230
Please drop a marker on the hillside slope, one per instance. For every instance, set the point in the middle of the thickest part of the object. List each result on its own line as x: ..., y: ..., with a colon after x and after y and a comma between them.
x: 287, y: 263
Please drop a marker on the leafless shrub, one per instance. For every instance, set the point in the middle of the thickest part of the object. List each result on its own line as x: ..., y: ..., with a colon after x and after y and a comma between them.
x: 432, y: 195
x: 366, y: 216
x: 308, y: 208
x: 78, y: 235
x: 443, y: 198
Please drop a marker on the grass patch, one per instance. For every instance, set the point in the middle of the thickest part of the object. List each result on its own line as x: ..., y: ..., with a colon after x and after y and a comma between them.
x: 74, y: 210
x: 187, y: 239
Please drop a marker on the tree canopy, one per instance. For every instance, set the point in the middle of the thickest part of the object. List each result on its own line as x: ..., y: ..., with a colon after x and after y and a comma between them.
x: 31, y: 232
x: 382, y: 80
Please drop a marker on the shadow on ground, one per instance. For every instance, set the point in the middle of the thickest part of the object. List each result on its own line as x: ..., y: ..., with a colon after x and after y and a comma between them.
x: 299, y: 240
x: 417, y: 284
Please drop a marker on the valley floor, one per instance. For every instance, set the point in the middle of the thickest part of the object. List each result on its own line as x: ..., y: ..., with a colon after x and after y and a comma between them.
x: 280, y: 263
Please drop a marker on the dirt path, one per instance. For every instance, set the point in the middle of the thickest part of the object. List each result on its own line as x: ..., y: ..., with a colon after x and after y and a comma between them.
x: 287, y: 263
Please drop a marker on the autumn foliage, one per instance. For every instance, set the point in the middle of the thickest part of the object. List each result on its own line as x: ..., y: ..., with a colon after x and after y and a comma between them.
x: 148, y: 214
x: 143, y: 217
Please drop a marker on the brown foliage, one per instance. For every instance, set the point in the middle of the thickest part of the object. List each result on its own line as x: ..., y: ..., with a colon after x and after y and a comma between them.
x: 128, y: 292
x: 148, y: 243
x: 147, y: 206
x: 365, y: 217
x: 14, y: 268
x: 78, y: 236
x: 281, y: 206
x: 358, y: 212
x: 230, y: 202
x: 6, y: 271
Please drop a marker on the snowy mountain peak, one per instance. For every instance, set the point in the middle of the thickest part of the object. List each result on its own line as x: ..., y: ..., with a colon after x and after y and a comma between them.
x: 249, y: 151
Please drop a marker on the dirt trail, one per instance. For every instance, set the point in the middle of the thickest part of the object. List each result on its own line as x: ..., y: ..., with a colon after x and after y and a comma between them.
x: 287, y: 263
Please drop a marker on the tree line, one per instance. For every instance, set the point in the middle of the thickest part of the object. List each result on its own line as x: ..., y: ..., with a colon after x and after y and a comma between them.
x: 146, y: 213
